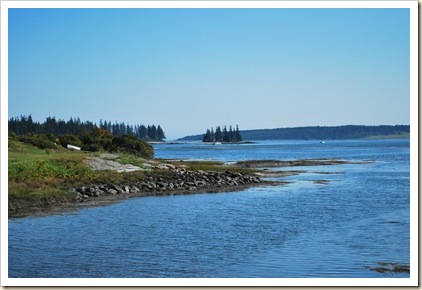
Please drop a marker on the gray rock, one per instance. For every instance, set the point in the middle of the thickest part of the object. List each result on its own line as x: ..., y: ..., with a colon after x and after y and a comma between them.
x: 113, y: 191
x: 109, y: 156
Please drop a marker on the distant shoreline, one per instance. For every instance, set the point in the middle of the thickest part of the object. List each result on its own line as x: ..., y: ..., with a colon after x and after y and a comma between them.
x: 345, y: 132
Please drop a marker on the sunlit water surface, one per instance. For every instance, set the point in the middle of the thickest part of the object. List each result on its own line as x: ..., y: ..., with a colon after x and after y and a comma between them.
x: 358, y: 216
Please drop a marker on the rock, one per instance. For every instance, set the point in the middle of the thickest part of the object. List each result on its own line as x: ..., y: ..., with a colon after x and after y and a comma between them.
x: 181, y: 179
x: 147, y: 166
x: 134, y: 189
x: 79, y: 196
x: 97, y: 163
x: 113, y: 191
x: 109, y: 156
x: 97, y: 193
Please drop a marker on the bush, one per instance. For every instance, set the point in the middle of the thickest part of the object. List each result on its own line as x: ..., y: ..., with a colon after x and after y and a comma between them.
x: 96, y: 140
x: 66, y: 139
x: 91, y: 147
x: 38, y: 140
x: 132, y: 145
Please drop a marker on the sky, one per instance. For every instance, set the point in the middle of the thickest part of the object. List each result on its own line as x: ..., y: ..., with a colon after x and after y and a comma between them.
x: 188, y: 70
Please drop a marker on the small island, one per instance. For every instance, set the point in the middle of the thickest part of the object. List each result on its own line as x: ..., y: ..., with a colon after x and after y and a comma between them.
x: 223, y: 135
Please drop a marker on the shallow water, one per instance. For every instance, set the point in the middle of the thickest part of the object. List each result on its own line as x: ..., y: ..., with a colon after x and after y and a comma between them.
x: 358, y: 216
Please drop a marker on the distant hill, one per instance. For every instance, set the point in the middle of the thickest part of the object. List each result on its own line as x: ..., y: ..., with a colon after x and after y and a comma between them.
x: 321, y: 133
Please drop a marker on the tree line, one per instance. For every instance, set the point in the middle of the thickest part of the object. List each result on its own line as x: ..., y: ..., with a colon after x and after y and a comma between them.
x: 25, y: 124
x: 222, y: 135
x: 318, y: 133
x: 326, y: 132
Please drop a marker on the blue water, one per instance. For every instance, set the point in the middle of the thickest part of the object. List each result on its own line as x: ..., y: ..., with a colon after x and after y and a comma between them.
x: 358, y: 217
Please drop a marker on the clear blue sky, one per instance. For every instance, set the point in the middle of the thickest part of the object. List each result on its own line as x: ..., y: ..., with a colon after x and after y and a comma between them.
x: 192, y: 69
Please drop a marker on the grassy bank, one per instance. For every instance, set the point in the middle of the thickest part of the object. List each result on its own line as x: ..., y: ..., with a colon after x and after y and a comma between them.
x: 42, y: 178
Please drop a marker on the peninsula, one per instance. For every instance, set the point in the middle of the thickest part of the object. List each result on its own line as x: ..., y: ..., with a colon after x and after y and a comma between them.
x: 46, y: 177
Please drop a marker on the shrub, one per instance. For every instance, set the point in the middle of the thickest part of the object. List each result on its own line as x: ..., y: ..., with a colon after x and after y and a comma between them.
x: 132, y: 145
x: 66, y: 139
x: 91, y: 147
x: 39, y: 140
x: 97, y: 139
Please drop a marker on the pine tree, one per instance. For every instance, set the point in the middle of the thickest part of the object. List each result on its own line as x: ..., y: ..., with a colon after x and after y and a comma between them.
x: 237, y: 134
x: 160, y: 133
x: 143, y: 132
x: 226, y: 137
x: 74, y: 126
x: 231, y: 135
x: 207, y: 136
x: 218, y: 134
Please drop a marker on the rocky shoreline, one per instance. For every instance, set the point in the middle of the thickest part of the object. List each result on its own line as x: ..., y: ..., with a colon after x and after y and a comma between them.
x: 169, y: 180
x: 177, y: 181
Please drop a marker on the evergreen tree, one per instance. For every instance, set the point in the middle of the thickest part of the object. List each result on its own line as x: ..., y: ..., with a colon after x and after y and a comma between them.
x: 160, y: 133
x: 231, y: 135
x: 218, y: 134
x: 23, y: 125
x: 143, y: 132
x: 226, y: 137
x: 152, y: 132
x: 207, y: 136
x: 237, y: 135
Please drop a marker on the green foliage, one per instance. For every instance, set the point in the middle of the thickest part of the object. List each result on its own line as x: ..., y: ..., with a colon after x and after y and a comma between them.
x: 41, y: 141
x: 227, y: 136
x: 320, y: 133
x: 208, y: 137
x: 131, y: 145
x: 39, y: 179
x: 218, y: 135
x: 66, y: 139
x: 44, y: 169
x: 24, y: 125
x: 96, y: 140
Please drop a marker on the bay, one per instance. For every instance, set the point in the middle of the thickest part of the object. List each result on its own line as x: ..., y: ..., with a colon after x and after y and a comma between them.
x: 331, y: 221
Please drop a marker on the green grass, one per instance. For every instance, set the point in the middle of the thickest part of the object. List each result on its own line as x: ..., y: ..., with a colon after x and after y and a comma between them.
x: 26, y: 162
x: 39, y: 178
x: 211, y: 166
x: 125, y: 158
x: 42, y: 178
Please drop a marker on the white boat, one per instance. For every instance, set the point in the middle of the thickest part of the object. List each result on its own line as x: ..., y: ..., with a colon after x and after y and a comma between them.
x: 216, y: 143
x: 73, y: 147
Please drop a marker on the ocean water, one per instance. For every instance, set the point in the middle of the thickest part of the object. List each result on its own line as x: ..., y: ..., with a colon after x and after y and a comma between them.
x: 328, y: 222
